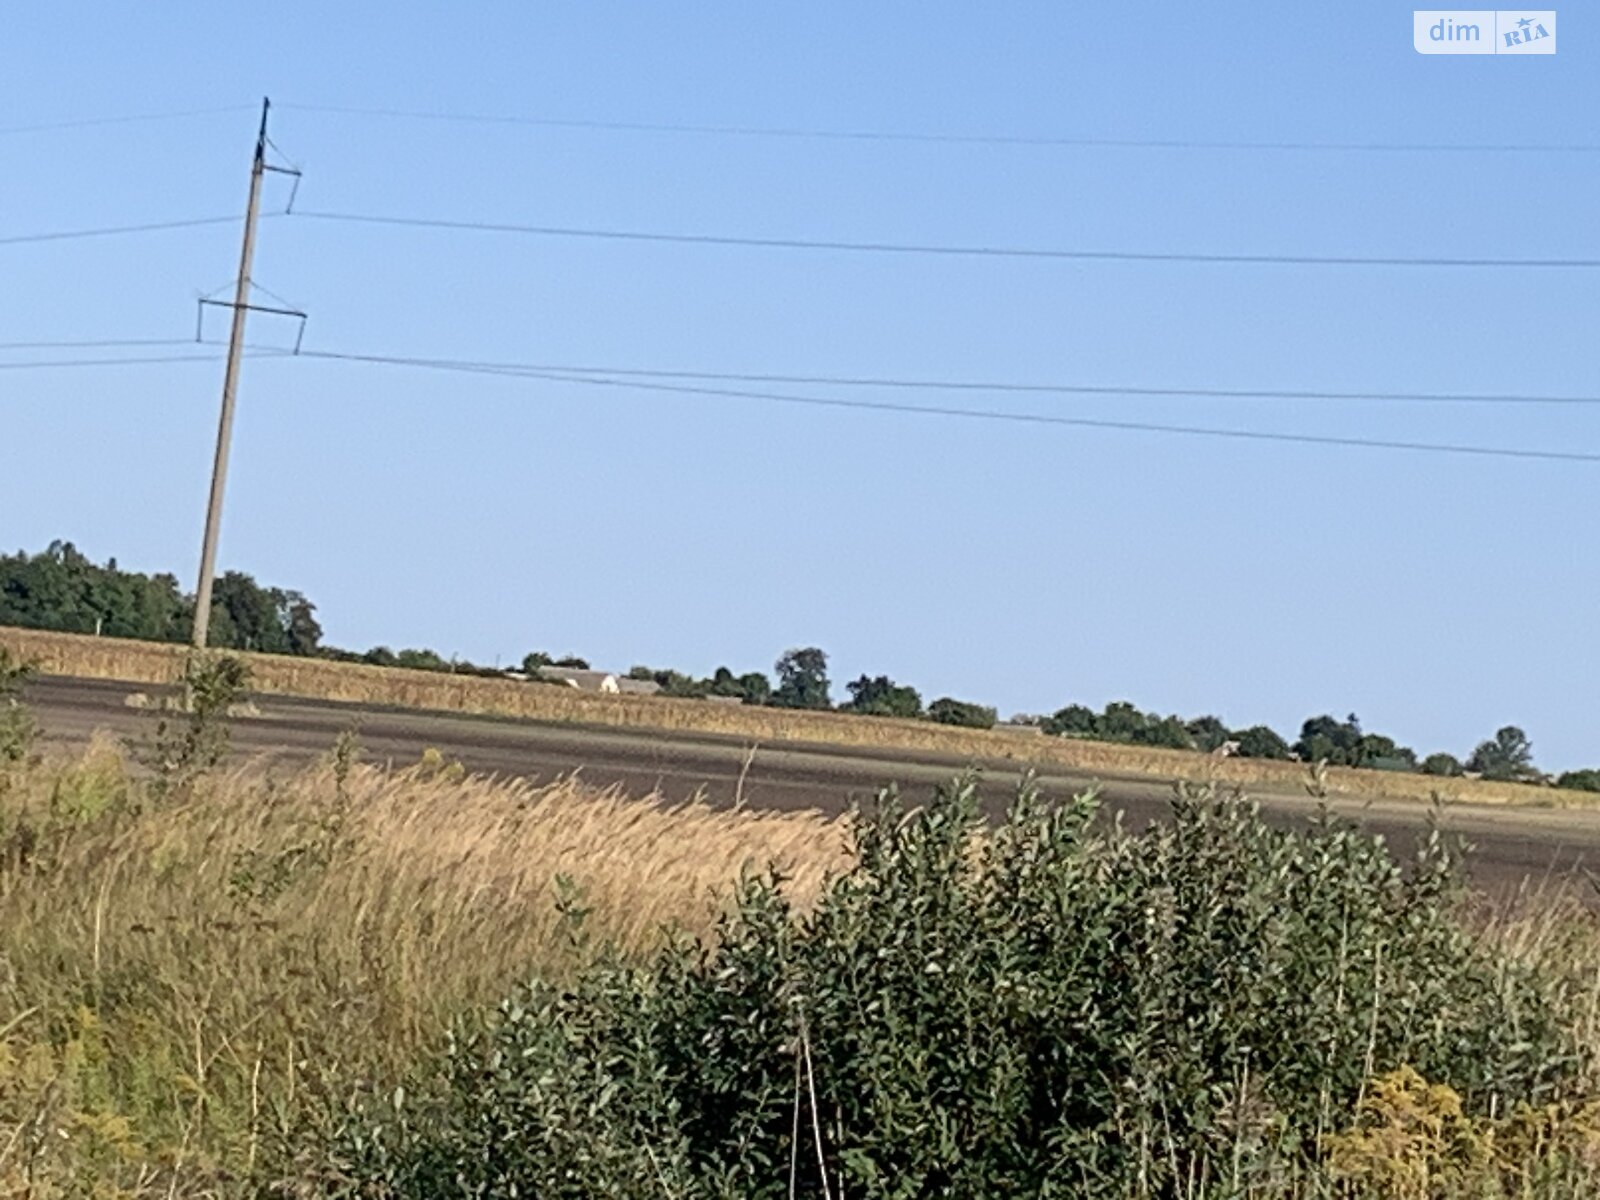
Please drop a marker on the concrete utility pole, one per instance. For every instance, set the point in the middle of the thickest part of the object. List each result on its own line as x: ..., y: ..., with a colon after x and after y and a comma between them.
x: 230, y: 389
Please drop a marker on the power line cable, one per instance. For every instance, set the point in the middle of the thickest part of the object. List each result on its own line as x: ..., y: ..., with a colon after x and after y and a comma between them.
x: 861, y: 135
x: 68, y: 363
x: 96, y: 344
x: 852, y: 381
x: 948, y: 251
x: 1034, y: 419
x: 65, y: 235
x: 1069, y: 389
x: 129, y: 119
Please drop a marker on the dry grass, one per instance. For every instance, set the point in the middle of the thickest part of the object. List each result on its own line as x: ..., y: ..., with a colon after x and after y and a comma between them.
x: 178, y: 983
x: 153, y: 663
x: 188, y: 985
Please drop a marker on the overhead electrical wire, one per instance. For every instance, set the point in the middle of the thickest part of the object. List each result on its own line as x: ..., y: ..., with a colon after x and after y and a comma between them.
x: 1011, y: 387
x: 978, y: 385
x: 974, y: 139
x: 136, y: 361
x: 66, y: 235
x: 125, y: 119
x: 95, y: 344
x: 947, y: 251
x: 1035, y: 419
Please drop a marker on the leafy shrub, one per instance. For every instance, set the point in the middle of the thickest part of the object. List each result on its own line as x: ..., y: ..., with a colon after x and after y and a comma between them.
x: 1506, y: 756
x: 191, y: 742
x: 947, y: 711
x: 1587, y: 780
x: 882, y: 697
x: 1442, y: 764
x: 1047, y: 1008
x: 16, y: 724
x: 1261, y: 741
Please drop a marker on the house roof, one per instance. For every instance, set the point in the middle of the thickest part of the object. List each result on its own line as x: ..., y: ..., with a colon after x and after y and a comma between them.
x: 589, y: 681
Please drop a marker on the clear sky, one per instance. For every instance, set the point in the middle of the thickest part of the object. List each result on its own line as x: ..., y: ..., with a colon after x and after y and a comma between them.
x: 1022, y: 566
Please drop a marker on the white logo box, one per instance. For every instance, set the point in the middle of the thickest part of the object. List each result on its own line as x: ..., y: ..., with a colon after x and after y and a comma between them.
x: 1483, y: 31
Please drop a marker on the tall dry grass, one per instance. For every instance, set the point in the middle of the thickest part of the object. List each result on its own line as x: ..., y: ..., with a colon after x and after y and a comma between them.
x: 84, y: 656
x: 188, y: 985
x: 183, y: 984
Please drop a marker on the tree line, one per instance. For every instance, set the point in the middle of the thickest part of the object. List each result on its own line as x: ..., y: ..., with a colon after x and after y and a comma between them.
x: 61, y: 589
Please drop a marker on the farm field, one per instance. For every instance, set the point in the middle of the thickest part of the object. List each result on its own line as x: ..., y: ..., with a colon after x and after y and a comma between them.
x: 1515, y: 844
x: 156, y: 664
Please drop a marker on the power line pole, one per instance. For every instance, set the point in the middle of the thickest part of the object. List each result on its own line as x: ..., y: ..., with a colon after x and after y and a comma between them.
x: 230, y: 390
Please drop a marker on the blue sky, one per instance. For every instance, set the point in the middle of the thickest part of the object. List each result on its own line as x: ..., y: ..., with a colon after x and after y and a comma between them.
x: 1438, y: 597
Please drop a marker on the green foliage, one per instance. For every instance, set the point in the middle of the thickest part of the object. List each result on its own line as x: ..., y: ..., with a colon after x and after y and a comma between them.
x: 1260, y: 741
x: 194, y: 739
x: 422, y: 660
x: 752, y: 687
x: 1344, y: 744
x: 61, y: 589
x: 882, y: 697
x: 1075, y: 720
x: 247, y: 616
x: 802, y: 679
x: 1207, y: 733
x: 949, y: 711
x: 17, y: 729
x: 1507, y: 756
x: 1049, y: 1008
x: 1121, y: 722
x: 1587, y: 780
x: 676, y: 683
x: 1447, y: 765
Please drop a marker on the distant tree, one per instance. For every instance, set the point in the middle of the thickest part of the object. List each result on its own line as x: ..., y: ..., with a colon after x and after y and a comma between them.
x: 1120, y: 722
x: 1506, y: 756
x: 647, y: 674
x: 882, y: 697
x: 1260, y: 741
x: 62, y: 589
x: 301, y: 629
x: 1169, y: 732
x: 421, y: 660
x: 1384, y: 754
x: 675, y: 683
x: 802, y: 679
x: 533, y: 661
x: 1326, y: 738
x: 1442, y: 764
x: 755, y: 688
x: 381, y: 656
x: 1075, y: 720
x: 1587, y: 780
x: 948, y: 711
x: 572, y: 662
x: 1207, y: 733
x: 752, y: 688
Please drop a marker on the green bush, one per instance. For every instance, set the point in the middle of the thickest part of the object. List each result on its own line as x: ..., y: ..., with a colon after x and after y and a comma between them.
x: 948, y: 711
x: 1048, y: 1007
x: 1442, y: 764
x: 17, y: 729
